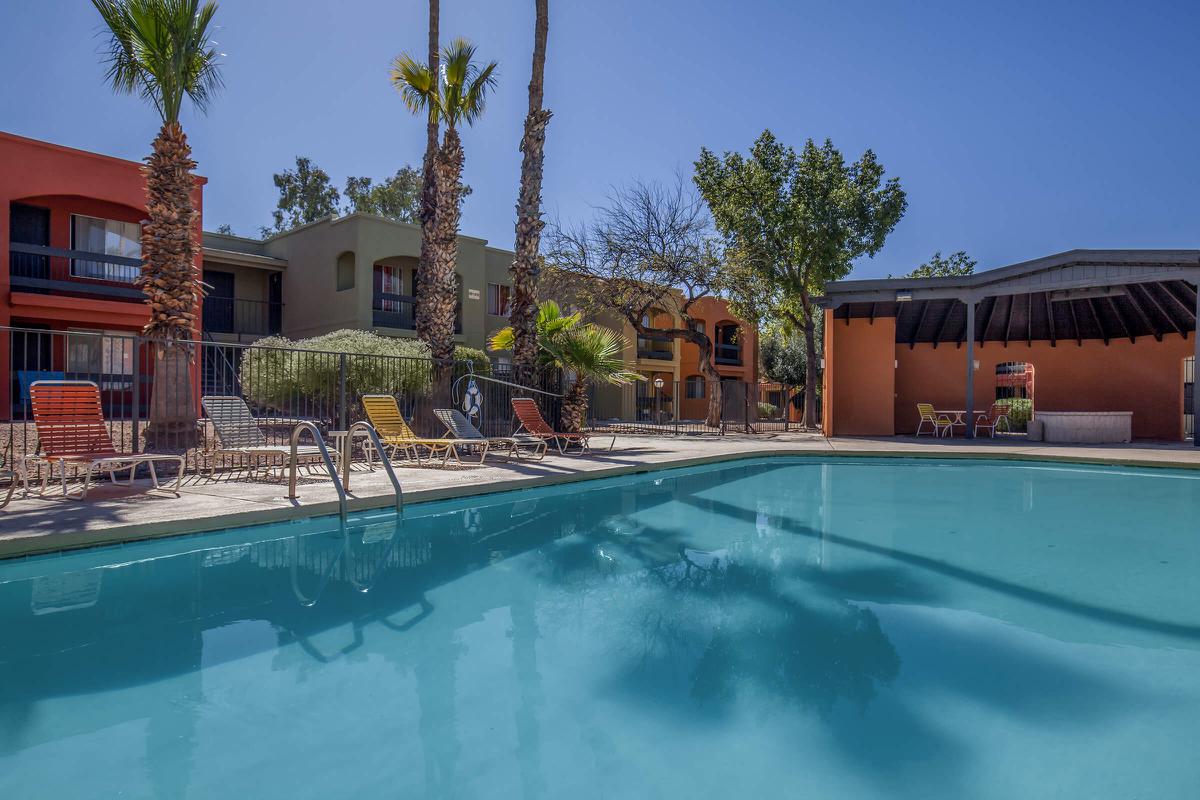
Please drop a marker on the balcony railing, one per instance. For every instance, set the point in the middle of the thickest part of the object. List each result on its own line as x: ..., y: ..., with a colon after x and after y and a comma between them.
x: 390, y: 310
x: 242, y: 317
x: 728, y: 354
x: 46, y: 270
x: 658, y: 346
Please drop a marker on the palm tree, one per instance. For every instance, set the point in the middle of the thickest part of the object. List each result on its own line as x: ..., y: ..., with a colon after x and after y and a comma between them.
x: 456, y: 96
x: 428, y: 189
x: 525, y: 266
x: 161, y: 50
x: 591, y: 354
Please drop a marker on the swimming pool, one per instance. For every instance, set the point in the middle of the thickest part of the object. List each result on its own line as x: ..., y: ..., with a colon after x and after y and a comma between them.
x: 850, y: 628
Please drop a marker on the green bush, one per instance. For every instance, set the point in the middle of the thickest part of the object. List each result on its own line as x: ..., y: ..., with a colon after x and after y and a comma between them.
x: 1019, y: 411
x: 277, y: 371
x: 767, y: 410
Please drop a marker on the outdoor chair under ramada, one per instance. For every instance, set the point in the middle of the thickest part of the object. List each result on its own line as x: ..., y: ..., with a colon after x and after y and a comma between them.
x: 987, y: 422
x: 940, y: 424
x: 72, y: 432
x: 533, y: 424
x: 384, y: 414
x: 460, y: 427
x: 238, y: 434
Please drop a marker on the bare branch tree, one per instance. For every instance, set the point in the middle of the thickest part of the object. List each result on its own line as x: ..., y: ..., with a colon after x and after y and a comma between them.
x: 649, y: 251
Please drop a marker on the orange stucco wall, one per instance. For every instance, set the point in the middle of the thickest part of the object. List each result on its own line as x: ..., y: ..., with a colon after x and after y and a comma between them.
x: 1145, y: 377
x: 873, y: 384
x: 860, y: 377
x: 715, y: 311
x: 68, y: 181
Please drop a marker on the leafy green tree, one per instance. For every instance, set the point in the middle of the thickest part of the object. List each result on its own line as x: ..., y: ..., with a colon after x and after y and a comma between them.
x: 783, y: 359
x: 792, y: 221
x: 305, y: 195
x: 591, y: 353
x: 161, y: 51
x: 226, y: 229
x: 937, y: 267
x: 398, y: 197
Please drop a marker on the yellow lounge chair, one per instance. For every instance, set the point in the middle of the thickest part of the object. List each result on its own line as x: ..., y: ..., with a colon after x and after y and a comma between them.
x: 384, y: 415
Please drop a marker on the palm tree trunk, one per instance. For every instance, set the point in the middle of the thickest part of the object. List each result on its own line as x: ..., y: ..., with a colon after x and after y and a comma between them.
x: 172, y: 288
x: 526, y: 264
x: 425, y: 311
x: 442, y: 286
x: 574, y: 407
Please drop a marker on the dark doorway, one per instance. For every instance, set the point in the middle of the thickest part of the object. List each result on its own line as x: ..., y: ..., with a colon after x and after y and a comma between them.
x: 29, y: 225
x: 218, y: 305
x: 274, y: 303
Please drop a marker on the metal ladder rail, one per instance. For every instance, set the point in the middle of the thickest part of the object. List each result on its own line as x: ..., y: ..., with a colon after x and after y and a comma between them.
x: 387, y: 464
x: 333, y: 473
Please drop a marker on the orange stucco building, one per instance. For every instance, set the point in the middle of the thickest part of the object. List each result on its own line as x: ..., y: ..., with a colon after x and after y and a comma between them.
x: 70, y: 223
x: 1107, y: 331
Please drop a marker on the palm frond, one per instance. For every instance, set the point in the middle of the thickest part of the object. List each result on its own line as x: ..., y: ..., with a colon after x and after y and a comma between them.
x: 595, y: 353
x: 464, y: 85
x: 162, y: 50
x: 417, y: 85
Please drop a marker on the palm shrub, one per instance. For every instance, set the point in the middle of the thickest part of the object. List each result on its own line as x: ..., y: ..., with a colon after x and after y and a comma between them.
x: 161, y: 50
x: 588, y: 353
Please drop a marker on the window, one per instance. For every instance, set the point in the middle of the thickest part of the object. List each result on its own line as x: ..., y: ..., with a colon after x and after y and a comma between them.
x: 105, y: 237
x: 697, y: 325
x: 345, y: 271
x: 695, y: 387
x: 391, y: 281
x: 105, y: 357
x: 497, y: 299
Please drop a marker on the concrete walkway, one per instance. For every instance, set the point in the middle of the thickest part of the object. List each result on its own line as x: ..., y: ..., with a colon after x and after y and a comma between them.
x: 117, y: 514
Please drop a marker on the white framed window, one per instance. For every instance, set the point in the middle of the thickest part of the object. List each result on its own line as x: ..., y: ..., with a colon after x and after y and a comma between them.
x: 108, y: 237
x: 498, y: 299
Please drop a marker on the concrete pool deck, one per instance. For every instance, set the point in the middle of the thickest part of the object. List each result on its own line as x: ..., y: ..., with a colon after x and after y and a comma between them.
x: 36, y: 525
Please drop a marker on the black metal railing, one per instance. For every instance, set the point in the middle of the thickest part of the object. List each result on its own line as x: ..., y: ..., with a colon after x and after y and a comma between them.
x: 390, y: 310
x: 659, y: 346
x: 36, y: 268
x: 728, y: 354
x: 708, y: 407
x: 242, y: 317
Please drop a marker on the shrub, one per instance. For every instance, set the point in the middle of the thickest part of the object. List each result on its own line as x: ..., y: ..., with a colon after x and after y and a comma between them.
x: 767, y: 410
x: 278, y: 371
x: 1019, y: 411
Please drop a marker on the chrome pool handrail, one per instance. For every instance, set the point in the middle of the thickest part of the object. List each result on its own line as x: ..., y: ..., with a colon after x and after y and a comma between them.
x: 378, y: 445
x: 333, y: 473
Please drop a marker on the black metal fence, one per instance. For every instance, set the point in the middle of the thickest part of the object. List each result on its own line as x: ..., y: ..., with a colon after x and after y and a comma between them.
x: 693, y: 407
x: 151, y: 394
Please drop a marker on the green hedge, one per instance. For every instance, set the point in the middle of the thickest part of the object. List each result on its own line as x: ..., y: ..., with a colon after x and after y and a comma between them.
x: 277, y: 370
x: 1019, y: 411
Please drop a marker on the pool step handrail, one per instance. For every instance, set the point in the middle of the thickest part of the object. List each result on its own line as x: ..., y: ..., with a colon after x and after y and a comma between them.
x: 333, y: 473
x: 378, y: 445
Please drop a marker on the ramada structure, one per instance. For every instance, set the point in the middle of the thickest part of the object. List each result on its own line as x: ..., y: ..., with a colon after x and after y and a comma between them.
x: 1105, y: 330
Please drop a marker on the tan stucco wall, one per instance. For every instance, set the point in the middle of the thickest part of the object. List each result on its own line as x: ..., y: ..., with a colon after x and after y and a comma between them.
x: 313, y: 305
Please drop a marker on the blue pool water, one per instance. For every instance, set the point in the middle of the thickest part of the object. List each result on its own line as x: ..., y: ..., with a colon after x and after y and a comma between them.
x: 773, y: 628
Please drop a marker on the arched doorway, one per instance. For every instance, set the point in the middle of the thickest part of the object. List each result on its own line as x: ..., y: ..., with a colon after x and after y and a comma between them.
x: 1015, y: 391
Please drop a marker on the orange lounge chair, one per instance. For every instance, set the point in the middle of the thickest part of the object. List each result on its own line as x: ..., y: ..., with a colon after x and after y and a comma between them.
x: 532, y: 423
x: 71, y: 429
x: 995, y: 415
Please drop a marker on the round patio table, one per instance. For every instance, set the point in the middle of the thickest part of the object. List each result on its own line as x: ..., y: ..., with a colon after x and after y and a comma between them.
x: 959, y: 418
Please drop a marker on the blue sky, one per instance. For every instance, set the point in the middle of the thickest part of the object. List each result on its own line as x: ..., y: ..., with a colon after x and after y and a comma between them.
x: 1018, y: 129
